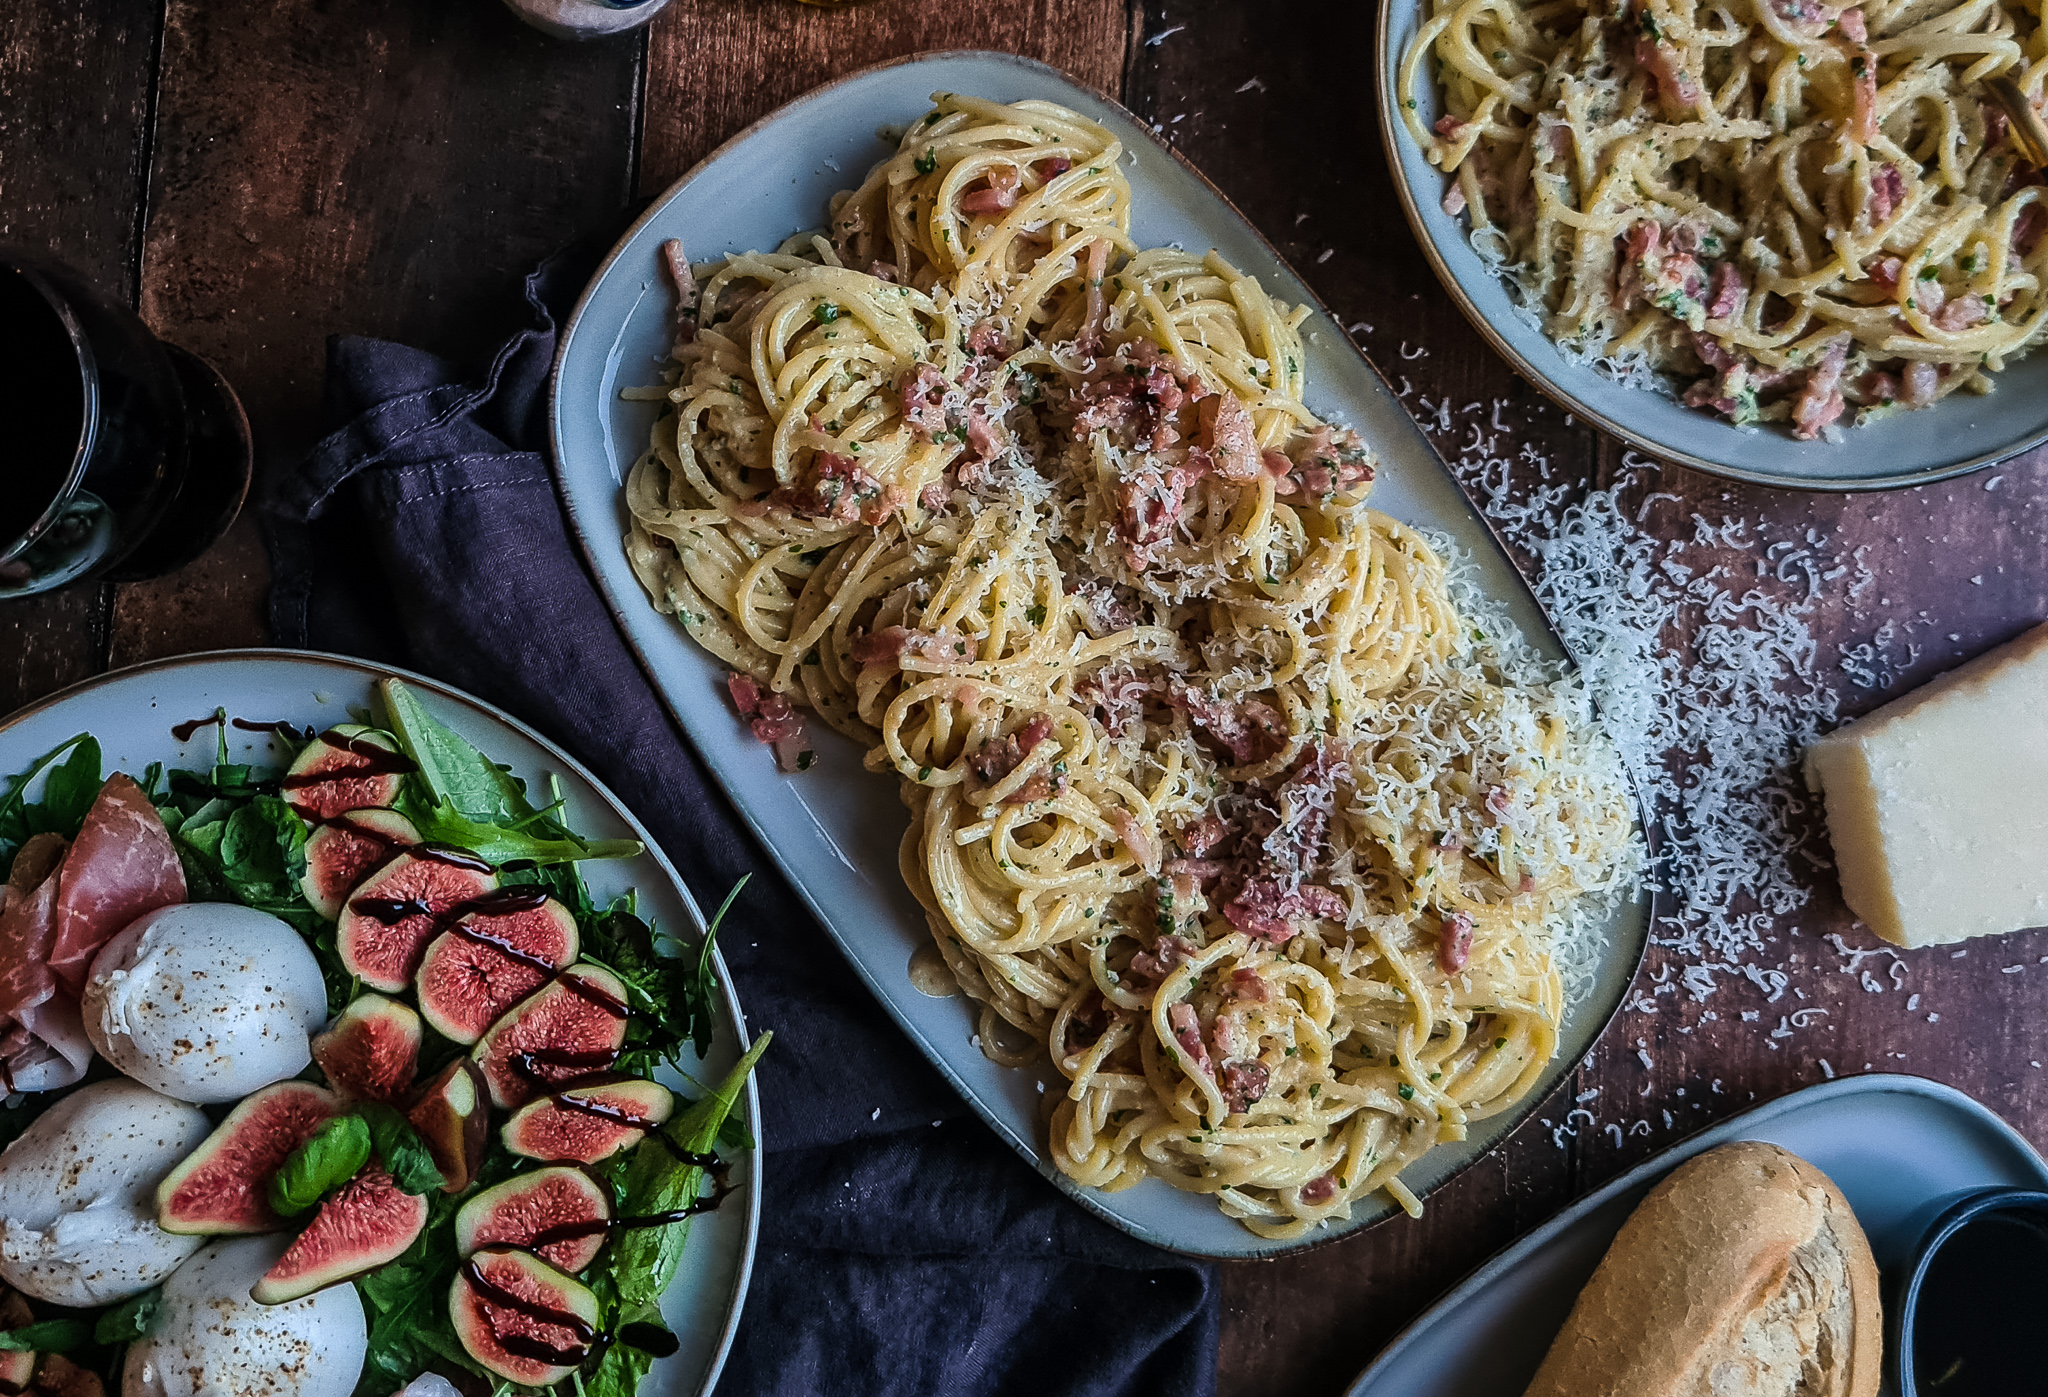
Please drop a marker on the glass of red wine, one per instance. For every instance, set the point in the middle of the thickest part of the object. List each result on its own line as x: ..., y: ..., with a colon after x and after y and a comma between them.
x: 127, y: 457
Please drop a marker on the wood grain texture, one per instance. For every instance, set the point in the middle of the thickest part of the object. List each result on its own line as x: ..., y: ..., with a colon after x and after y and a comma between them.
x: 716, y: 66
x: 74, y: 145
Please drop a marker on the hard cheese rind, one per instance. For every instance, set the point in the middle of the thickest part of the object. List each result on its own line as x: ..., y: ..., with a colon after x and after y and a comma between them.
x: 1938, y: 803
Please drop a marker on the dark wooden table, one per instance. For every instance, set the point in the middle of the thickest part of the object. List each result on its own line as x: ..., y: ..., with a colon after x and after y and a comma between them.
x: 254, y: 177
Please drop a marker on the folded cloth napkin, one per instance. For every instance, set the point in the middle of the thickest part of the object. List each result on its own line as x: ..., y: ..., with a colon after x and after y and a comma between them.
x: 903, y: 1249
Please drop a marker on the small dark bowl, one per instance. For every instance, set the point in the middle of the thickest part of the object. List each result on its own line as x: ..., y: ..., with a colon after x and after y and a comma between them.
x: 1970, y: 1297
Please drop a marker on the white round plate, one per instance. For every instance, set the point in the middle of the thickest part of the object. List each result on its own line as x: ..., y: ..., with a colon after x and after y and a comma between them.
x: 132, y: 711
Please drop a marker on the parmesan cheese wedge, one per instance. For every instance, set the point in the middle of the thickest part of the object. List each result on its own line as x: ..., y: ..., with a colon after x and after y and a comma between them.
x: 1937, y: 803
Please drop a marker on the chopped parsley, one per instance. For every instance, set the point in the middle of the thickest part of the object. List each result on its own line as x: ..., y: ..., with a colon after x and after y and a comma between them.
x: 927, y: 162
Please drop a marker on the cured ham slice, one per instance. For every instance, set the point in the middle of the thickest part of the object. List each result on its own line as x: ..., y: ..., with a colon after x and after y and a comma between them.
x: 121, y: 865
x: 42, y: 1042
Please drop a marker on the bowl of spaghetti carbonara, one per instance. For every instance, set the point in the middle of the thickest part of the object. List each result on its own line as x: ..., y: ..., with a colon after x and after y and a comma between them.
x: 1823, y: 225
x: 1229, y: 799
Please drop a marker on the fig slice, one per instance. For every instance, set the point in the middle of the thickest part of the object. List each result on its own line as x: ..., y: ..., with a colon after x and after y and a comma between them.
x: 560, y: 1214
x: 348, y: 767
x: 346, y: 850
x: 365, y: 1223
x: 452, y: 1115
x: 588, y: 1122
x: 389, y: 919
x: 569, y: 1028
x: 522, y: 1318
x: 490, y: 960
x: 371, y: 1049
x: 223, y: 1186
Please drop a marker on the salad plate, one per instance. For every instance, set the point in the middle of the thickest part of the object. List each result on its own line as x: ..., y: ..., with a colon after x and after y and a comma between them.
x: 835, y: 828
x: 163, y: 713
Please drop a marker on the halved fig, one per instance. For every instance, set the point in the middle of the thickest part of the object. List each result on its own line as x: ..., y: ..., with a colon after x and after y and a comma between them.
x: 569, y: 1028
x: 587, y: 1123
x: 389, y: 919
x: 371, y: 1049
x: 365, y: 1223
x: 488, y: 962
x: 223, y: 1186
x: 346, y: 850
x: 559, y: 1214
x: 522, y: 1318
x: 453, y: 1119
x: 348, y: 767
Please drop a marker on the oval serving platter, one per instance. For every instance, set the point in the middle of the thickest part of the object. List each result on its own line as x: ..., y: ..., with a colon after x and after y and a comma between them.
x: 132, y: 711
x: 1893, y: 1144
x: 1961, y: 433
x: 835, y: 829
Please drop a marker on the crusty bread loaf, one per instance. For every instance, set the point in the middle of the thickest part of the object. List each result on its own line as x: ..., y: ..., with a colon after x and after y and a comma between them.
x: 1742, y: 1274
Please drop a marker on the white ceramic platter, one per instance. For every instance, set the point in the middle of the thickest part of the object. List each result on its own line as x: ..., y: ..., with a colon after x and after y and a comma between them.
x: 132, y: 711
x: 1960, y: 433
x: 835, y: 829
x: 1892, y: 1144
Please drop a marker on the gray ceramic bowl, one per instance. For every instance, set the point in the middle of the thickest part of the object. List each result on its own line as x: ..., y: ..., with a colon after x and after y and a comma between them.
x: 1961, y: 433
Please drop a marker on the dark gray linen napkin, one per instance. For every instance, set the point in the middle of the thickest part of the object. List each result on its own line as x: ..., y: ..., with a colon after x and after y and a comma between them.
x: 904, y: 1249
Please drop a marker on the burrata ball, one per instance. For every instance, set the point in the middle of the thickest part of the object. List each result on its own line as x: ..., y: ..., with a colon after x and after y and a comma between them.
x: 78, y: 1194
x: 205, y: 1001
x: 212, y: 1339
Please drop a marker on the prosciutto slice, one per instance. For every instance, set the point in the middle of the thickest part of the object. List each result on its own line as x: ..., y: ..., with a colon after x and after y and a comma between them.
x: 42, y: 1041
x: 121, y: 865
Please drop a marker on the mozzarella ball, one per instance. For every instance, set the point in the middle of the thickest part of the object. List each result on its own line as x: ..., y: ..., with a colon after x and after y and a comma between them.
x: 212, y: 1339
x: 78, y: 1194
x: 206, y: 1001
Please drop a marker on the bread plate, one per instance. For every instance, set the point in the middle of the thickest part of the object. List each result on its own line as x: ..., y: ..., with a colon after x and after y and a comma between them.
x: 1891, y: 1143
x: 1957, y: 435
x: 132, y: 712
x: 835, y: 828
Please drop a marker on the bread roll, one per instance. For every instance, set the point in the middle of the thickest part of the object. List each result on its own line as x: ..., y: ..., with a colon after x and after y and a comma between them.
x: 1743, y: 1274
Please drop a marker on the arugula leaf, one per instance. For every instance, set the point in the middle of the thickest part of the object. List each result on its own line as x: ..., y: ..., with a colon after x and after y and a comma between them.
x: 644, y: 1259
x: 72, y: 783
x: 325, y: 1160
x: 673, y: 997
x: 453, y: 771
x: 619, y: 1372
x: 443, y: 823
x: 132, y: 1319
x: 400, y: 1148
x: 406, y: 1306
x: 51, y: 1336
x: 263, y: 850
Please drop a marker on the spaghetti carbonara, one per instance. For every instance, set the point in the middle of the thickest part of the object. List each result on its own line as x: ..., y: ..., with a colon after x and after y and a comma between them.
x: 1218, y: 797
x: 1788, y: 207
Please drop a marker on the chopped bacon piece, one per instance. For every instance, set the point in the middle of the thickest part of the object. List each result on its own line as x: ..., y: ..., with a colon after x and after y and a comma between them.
x: 745, y: 691
x: 1327, y: 461
x: 837, y: 489
x: 1118, y: 696
x: 1449, y: 127
x: 1319, y: 1190
x: 1201, y: 835
x: 1227, y: 434
x: 1995, y: 122
x: 998, y: 195
x: 1880, y: 387
x: 121, y: 865
x: 1454, y: 199
x: 1727, y: 292
x: 1820, y: 400
x: 773, y: 718
x: 1850, y: 22
x: 677, y: 265
x: 1187, y: 1031
x: 1807, y: 12
x: 1250, y: 987
x: 1676, y: 89
x: 1243, y: 1082
x: 1250, y: 731
x: 1454, y: 942
x: 1887, y: 192
x: 2028, y: 227
x: 985, y: 338
x: 893, y: 644
x: 1963, y: 313
x: 1884, y: 273
x: 1000, y: 756
x: 1054, y: 167
x: 1135, y: 839
x: 1921, y: 381
x: 1149, y: 503
x: 882, y: 271
x: 1166, y: 953
x: 924, y: 402
x: 984, y: 439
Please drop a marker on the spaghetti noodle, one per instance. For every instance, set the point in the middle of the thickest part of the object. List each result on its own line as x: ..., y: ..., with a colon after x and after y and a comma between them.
x: 1790, y: 207
x: 1217, y: 796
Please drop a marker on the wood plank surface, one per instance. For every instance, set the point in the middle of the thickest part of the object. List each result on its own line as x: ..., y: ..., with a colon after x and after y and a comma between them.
x: 716, y: 66
x: 75, y: 83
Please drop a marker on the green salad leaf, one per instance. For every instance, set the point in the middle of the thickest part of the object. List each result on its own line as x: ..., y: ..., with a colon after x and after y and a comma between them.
x: 406, y: 1303
x: 400, y: 1149
x: 132, y: 1319
x: 71, y: 772
x: 323, y: 1162
x: 444, y: 824
x: 50, y: 1336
